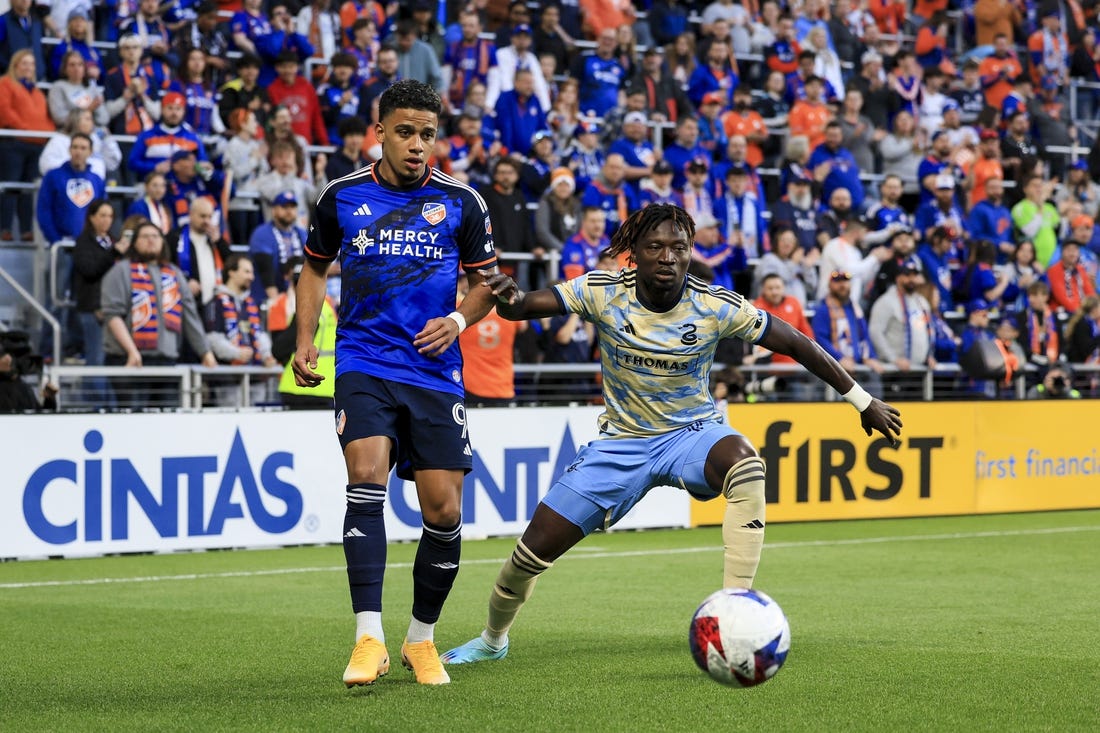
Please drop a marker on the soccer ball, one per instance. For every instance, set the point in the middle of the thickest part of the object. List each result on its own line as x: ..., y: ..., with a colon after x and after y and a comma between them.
x: 739, y: 637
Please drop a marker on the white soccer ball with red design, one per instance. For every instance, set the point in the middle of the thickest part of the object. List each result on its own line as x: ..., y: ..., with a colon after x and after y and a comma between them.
x: 740, y: 637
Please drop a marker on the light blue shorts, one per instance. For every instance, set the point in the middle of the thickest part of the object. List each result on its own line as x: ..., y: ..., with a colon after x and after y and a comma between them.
x: 610, y: 476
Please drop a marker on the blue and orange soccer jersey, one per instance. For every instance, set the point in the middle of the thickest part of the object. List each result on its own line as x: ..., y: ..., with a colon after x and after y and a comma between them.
x: 656, y: 366
x: 399, y: 251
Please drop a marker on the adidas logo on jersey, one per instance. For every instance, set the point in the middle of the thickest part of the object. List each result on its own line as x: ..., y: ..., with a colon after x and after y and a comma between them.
x: 363, y: 210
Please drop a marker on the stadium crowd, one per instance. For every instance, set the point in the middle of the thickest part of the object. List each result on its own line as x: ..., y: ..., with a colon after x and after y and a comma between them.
x: 899, y: 180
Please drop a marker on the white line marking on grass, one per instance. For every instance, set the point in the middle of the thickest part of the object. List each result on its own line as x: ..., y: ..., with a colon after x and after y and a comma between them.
x: 580, y: 556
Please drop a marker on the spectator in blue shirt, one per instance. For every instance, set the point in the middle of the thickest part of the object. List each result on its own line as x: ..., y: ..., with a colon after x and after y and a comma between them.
x: 67, y: 191
x: 63, y: 200
x: 600, y: 76
x: 586, y: 158
x: 340, y: 97
x: 581, y: 252
x: 980, y: 280
x: 835, y: 167
x: 887, y: 216
x: 667, y: 19
x: 937, y: 163
x: 519, y: 114
x: 990, y: 219
x: 611, y: 193
x: 942, y: 210
x: 19, y: 29
x: 635, y: 147
x: 840, y: 328
x: 935, y: 259
x: 684, y: 149
x: 977, y: 329
x: 155, y: 147
x: 77, y: 39
x: 740, y: 216
x: 716, y: 75
x: 273, y: 244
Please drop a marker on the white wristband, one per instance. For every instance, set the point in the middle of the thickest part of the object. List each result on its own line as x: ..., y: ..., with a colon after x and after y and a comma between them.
x: 858, y: 397
x: 461, y: 321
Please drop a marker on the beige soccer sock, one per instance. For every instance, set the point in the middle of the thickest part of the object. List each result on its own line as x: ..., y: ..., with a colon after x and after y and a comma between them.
x: 743, y: 525
x: 514, y: 586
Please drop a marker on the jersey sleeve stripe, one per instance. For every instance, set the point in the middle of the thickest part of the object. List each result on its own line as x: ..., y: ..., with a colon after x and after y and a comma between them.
x: 767, y: 327
x: 561, y: 300
x: 315, y: 256
x: 468, y: 265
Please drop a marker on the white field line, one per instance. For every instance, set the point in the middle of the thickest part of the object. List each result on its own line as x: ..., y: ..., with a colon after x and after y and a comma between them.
x: 579, y: 556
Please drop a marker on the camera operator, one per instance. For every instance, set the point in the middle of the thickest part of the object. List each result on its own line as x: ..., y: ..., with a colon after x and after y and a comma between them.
x: 1057, y: 384
x: 15, y: 394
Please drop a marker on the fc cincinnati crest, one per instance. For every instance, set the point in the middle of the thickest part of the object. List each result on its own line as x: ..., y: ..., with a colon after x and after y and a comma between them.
x: 80, y: 191
x: 341, y: 420
x: 434, y: 213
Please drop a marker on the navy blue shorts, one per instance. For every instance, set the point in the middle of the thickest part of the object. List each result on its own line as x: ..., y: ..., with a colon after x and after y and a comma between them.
x: 428, y: 428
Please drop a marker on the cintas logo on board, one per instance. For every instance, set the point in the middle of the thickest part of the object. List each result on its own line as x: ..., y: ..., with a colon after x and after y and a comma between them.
x: 92, y: 499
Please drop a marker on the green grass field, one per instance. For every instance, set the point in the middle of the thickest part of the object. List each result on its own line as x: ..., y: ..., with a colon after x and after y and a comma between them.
x: 956, y: 624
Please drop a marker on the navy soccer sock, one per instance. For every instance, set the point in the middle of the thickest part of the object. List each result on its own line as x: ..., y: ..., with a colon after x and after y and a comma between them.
x: 365, y: 545
x: 435, y: 569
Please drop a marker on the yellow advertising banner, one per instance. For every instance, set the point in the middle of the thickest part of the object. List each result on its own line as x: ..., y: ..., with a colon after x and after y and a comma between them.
x: 954, y: 458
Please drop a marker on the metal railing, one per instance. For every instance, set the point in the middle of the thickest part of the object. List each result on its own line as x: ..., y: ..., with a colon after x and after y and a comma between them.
x: 57, y: 295
x: 55, y: 327
x: 1076, y: 86
x: 193, y: 387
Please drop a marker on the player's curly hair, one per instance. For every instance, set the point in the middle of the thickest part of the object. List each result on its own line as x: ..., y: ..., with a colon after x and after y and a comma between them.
x: 409, y: 94
x: 646, y: 220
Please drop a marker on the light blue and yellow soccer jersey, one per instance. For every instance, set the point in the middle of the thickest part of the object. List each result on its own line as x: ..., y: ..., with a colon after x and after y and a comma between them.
x: 656, y: 366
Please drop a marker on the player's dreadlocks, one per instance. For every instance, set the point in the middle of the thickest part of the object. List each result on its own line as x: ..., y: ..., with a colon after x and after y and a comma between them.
x: 646, y: 220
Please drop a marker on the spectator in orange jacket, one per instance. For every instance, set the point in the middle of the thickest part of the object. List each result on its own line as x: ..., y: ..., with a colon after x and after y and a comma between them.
x: 1069, y: 282
x: 889, y: 15
x: 998, y: 71
x: 774, y: 299
x: 22, y: 107
x: 994, y: 18
x: 810, y: 115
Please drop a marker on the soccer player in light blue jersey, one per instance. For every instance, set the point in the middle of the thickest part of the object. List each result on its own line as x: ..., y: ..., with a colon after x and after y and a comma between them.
x: 400, y: 229
x: 658, y: 329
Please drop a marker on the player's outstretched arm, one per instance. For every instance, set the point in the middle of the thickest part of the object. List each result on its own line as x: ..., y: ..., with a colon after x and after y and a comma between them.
x: 310, y: 294
x: 516, y: 305
x: 874, y: 414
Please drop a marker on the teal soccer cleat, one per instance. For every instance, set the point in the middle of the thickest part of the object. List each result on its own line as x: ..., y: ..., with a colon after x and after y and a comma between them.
x: 475, y: 650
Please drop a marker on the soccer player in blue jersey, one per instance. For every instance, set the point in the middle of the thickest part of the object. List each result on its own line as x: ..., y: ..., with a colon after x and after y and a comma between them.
x: 400, y: 229
x: 658, y: 328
